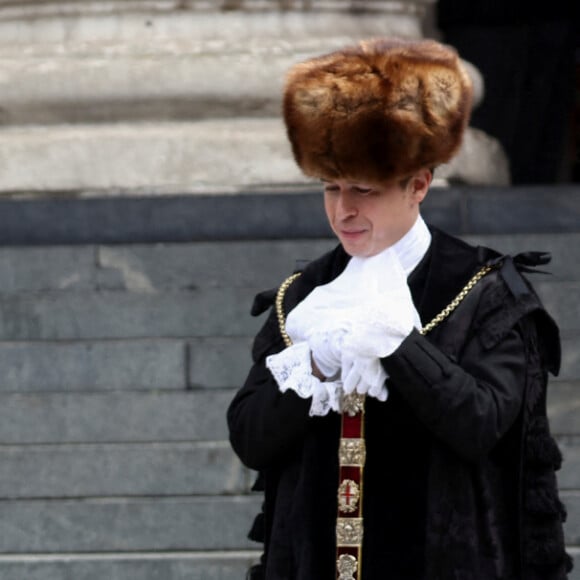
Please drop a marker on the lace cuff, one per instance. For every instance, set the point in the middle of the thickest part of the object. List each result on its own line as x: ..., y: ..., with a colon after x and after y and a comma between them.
x: 292, y: 369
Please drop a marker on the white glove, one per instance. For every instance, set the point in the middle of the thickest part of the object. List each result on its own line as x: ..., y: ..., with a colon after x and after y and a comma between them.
x: 378, y: 329
x: 361, y: 316
x: 365, y: 375
x: 383, y: 318
x: 326, y: 350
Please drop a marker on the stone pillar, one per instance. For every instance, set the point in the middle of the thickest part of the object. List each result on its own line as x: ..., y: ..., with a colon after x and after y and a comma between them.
x: 166, y: 96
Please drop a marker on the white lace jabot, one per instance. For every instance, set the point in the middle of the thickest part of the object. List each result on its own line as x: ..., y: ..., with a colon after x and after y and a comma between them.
x: 367, y: 310
x: 413, y: 246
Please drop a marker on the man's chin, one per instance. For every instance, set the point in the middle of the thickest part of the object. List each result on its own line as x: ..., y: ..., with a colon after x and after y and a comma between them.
x: 356, y: 251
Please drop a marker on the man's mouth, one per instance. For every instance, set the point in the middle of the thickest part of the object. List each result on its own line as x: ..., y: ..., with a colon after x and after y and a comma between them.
x: 352, y: 233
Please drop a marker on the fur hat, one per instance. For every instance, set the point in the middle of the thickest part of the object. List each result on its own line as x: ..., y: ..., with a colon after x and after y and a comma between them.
x: 376, y: 111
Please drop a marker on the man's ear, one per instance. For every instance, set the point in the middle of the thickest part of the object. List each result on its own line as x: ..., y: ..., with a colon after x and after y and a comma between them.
x: 420, y: 183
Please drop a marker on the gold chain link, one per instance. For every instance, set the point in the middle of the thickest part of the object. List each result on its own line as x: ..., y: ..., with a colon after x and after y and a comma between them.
x: 280, y: 306
x: 427, y: 328
x: 456, y: 301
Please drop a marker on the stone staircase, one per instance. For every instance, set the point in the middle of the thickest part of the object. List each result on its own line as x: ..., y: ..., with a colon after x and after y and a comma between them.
x: 113, y: 459
x: 123, y: 339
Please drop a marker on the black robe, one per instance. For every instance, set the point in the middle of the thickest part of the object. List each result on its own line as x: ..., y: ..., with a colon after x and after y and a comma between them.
x: 444, y: 477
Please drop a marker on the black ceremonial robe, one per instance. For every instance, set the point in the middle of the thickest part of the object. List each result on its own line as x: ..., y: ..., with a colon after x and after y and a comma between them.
x: 446, y: 477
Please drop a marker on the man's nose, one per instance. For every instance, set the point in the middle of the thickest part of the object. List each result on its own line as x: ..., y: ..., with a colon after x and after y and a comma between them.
x: 346, y: 205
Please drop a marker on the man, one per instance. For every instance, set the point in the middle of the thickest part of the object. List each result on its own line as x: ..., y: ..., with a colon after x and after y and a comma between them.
x: 396, y: 406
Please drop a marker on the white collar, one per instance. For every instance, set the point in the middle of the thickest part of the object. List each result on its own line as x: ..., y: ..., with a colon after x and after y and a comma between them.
x: 409, y: 251
x: 411, y: 248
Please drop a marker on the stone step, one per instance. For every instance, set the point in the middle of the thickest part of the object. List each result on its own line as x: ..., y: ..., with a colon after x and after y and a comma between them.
x: 242, y: 264
x: 52, y: 526
x: 219, y: 565
x: 257, y: 264
x: 155, y: 469
x: 152, y: 268
x: 113, y: 417
x: 570, y: 357
x: 160, y: 364
x: 164, y: 417
x: 112, y: 470
x: 47, y: 268
x: 127, y: 525
x: 193, y: 313
x: 564, y: 406
x: 90, y: 365
x: 109, y: 365
x: 265, y: 263
x: 219, y: 362
x: 569, y: 475
x: 575, y: 553
x: 168, y: 416
x: 571, y: 500
x: 110, y: 315
x: 145, y: 566
x: 207, y: 355
x: 266, y: 213
x: 159, y: 469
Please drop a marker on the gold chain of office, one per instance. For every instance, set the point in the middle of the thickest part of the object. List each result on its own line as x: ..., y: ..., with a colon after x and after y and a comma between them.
x: 427, y: 328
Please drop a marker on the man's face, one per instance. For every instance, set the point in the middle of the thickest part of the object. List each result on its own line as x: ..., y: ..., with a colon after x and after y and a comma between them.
x: 369, y: 218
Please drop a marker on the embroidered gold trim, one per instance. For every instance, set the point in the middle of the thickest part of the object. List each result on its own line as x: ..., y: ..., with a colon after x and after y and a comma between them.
x: 346, y: 566
x: 349, y: 532
x: 352, y: 452
x: 352, y: 404
x: 348, y: 496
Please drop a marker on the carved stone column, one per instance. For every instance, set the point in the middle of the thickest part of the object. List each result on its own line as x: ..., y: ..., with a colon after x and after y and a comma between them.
x: 164, y: 96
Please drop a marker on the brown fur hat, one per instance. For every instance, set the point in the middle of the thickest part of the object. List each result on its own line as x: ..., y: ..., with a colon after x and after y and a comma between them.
x: 376, y: 111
